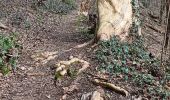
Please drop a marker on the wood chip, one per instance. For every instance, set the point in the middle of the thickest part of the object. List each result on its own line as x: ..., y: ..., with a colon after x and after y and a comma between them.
x: 2, y: 26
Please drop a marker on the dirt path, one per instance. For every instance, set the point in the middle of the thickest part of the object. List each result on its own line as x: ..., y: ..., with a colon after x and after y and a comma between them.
x: 42, y: 32
x: 52, y: 33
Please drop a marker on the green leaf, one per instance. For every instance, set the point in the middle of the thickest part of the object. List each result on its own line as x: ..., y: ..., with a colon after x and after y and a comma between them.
x: 13, y: 62
x: 1, y: 61
x: 5, y: 70
x: 7, y: 44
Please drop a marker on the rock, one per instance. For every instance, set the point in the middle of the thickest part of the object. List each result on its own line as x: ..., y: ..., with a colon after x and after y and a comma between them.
x: 71, y: 57
x: 22, y: 68
x: 63, y: 72
x: 96, y: 96
x: 30, y: 68
x: 86, y: 96
x: 48, y: 96
x: 63, y: 97
x: 2, y: 26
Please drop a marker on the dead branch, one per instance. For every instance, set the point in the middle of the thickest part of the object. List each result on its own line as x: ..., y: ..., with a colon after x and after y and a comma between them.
x: 152, y: 15
x: 112, y: 87
x: 154, y: 28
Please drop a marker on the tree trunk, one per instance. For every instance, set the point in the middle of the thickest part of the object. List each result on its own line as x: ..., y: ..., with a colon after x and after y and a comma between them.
x: 115, y: 19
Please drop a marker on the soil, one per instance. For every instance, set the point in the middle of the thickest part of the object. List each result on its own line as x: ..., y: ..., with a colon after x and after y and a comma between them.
x: 54, y: 32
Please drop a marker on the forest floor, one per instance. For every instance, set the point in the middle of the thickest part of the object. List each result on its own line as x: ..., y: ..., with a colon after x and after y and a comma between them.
x: 49, y: 32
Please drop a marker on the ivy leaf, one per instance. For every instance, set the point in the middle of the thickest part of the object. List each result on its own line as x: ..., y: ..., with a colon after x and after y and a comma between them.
x: 5, y: 70
x: 1, y: 61
x: 7, y: 44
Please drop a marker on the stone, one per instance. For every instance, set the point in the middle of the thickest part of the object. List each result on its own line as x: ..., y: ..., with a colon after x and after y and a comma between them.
x: 96, y: 96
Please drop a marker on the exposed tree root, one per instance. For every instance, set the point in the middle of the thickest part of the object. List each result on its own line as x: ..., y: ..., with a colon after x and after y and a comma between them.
x: 112, y: 87
x: 63, y: 66
x: 91, y: 42
x: 44, y: 57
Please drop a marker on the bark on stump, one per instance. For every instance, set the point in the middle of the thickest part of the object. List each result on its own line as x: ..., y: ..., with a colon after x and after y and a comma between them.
x: 115, y: 19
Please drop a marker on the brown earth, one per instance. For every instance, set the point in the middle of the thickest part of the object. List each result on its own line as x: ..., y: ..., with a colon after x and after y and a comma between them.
x: 53, y: 32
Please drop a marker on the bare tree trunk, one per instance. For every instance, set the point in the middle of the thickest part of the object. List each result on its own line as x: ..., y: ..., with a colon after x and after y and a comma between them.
x: 167, y: 34
x: 161, y: 10
x: 166, y: 40
x: 115, y: 19
x: 164, y: 8
x: 167, y: 31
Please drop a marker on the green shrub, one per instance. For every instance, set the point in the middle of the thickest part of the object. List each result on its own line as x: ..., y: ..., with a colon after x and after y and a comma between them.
x: 118, y: 55
x: 8, y: 53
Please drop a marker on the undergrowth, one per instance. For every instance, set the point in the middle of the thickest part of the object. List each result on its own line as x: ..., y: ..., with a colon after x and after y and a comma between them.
x: 134, y: 63
x: 55, y: 6
x: 8, y: 53
x: 83, y: 27
x: 86, y: 25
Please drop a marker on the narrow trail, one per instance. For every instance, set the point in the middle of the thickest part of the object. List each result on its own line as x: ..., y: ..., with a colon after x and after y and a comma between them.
x: 48, y: 32
x: 45, y: 32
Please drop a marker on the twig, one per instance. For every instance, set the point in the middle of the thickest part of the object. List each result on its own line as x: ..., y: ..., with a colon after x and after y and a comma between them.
x: 153, y: 28
x: 2, y: 26
x: 153, y: 16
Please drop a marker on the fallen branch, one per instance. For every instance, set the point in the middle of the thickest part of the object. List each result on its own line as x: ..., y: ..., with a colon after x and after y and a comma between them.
x: 153, y: 16
x: 154, y: 28
x: 112, y: 87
